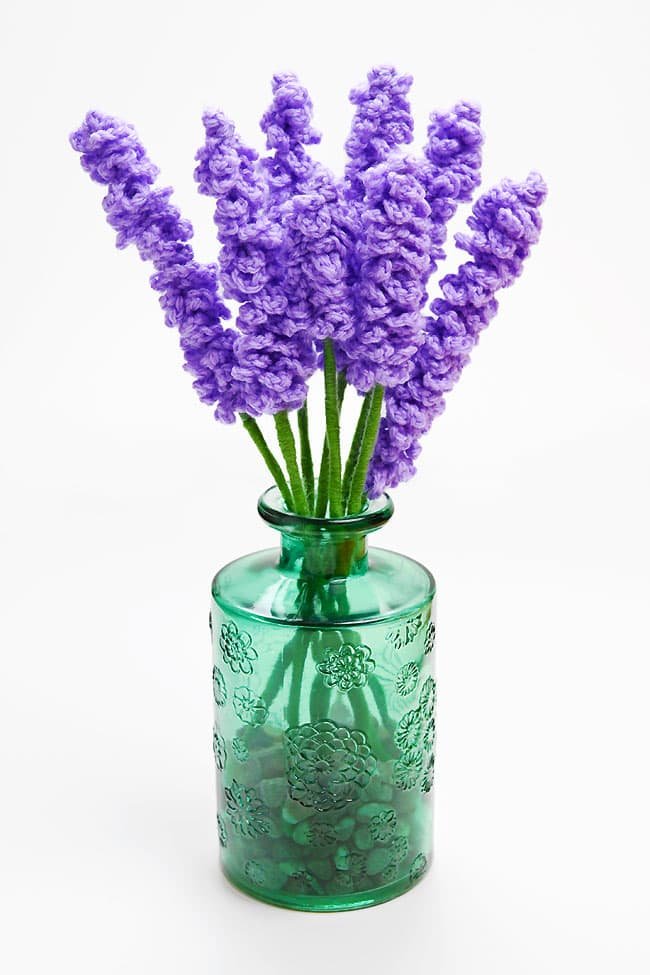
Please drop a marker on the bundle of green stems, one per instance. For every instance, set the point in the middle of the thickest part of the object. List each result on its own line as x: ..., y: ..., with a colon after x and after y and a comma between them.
x: 338, y: 491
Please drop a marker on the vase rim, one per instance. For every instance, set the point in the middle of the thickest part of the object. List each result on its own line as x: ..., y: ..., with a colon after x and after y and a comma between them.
x: 273, y: 510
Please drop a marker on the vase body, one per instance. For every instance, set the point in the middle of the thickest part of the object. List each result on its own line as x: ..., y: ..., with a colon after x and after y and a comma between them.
x: 324, y: 715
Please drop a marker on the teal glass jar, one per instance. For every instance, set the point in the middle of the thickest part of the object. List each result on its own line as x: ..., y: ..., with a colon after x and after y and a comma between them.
x: 324, y: 714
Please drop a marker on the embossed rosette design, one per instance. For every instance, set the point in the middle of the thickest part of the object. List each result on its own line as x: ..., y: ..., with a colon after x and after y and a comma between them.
x: 237, y: 648
x: 347, y: 666
x: 415, y: 737
x: 328, y: 765
x: 219, y: 689
x: 246, y: 811
x: 219, y: 749
x: 249, y: 708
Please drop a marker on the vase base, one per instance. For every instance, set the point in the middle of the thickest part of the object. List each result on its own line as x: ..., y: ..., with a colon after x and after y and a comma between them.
x: 326, y: 903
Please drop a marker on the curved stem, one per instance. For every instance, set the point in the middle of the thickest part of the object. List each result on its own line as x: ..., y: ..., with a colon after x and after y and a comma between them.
x: 306, y: 461
x: 322, y: 498
x: 256, y: 435
x: 366, y: 450
x: 333, y: 430
x: 288, y: 447
x: 353, y: 456
x: 341, y: 386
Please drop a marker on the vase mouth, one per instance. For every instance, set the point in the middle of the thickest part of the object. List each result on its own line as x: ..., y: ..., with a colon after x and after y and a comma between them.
x: 375, y: 514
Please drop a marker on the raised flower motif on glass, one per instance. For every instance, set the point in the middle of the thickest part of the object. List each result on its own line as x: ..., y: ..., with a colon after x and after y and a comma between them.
x: 219, y: 748
x: 219, y: 689
x: 347, y: 666
x: 247, y: 813
x: 248, y: 707
x: 328, y: 765
x: 407, y: 679
x: 237, y: 649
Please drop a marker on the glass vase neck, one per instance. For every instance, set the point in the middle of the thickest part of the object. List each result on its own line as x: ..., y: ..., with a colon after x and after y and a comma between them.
x: 324, y: 548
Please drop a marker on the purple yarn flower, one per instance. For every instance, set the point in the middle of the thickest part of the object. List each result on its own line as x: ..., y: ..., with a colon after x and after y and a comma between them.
x: 112, y: 155
x: 453, y: 150
x: 274, y: 356
x: 506, y: 223
x: 287, y: 124
x: 381, y: 122
x: 319, y: 232
x: 226, y: 171
x: 393, y: 257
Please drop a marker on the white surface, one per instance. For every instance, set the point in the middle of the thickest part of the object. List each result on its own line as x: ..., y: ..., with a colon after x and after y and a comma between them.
x: 120, y: 496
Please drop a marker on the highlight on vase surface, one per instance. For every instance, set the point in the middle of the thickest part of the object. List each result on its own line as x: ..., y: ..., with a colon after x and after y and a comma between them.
x: 322, y: 672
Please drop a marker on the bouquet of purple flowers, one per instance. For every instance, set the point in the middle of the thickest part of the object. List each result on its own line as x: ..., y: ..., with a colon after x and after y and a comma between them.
x: 327, y: 273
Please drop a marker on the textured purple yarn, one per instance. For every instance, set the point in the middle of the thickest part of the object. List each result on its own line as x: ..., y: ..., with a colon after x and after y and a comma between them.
x: 274, y: 356
x: 382, y: 121
x: 226, y: 171
x: 506, y: 223
x: 393, y: 259
x: 112, y: 154
x: 319, y: 233
x: 287, y: 124
x: 453, y: 150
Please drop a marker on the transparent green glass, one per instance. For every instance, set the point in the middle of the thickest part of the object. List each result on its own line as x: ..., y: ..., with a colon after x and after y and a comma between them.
x: 324, y: 714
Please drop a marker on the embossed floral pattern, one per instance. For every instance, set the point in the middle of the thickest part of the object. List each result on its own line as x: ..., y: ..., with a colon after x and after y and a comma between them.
x: 428, y: 698
x: 415, y: 737
x: 240, y: 749
x: 221, y: 830
x: 347, y: 666
x: 418, y: 867
x: 328, y: 765
x: 389, y: 874
x: 382, y: 826
x: 399, y: 849
x: 406, y: 633
x: 427, y: 779
x: 248, y: 707
x: 321, y: 834
x: 219, y: 749
x: 247, y: 813
x: 219, y: 689
x: 407, y: 768
x: 409, y: 729
x: 237, y: 648
x: 430, y: 637
x: 407, y: 679
x: 255, y: 872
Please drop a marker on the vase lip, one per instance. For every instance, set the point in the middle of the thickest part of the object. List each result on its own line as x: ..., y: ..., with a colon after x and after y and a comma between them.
x: 273, y: 510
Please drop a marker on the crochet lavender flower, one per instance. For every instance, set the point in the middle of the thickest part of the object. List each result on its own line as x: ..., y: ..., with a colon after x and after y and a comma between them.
x: 506, y: 223
x: 144, y: 216
x: 273, y: 360
x: 381, y: 122
x: 326, y: 272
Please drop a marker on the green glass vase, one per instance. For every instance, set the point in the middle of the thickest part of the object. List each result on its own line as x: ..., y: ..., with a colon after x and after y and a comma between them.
x: 324, y: 714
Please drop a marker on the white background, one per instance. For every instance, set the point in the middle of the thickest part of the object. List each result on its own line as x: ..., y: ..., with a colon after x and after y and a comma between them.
x: 121, y: 496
